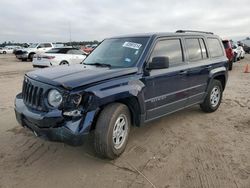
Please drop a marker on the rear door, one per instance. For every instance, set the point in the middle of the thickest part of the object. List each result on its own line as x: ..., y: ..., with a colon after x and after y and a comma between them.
x: 71, y: 56
x: 166, y: 89
x: 78, y: 56
x: 199, y: 68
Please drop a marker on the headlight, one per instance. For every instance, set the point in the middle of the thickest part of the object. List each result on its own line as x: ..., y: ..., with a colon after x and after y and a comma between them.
x: 73, y: 101
x: 54, y: 98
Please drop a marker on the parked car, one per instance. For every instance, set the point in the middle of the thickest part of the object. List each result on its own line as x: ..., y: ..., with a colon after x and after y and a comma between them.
x: 229, y: 53
x: 246, y: 44
x: 7, y: 50
x: 37, y: 48
x: 239, y: 52
x: 59, y: 56
x: 242, y: 51
x: 127, y: 80
x: 89, y: 48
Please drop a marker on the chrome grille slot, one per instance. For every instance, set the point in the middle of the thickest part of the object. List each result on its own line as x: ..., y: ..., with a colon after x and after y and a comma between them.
x: 33, y: 95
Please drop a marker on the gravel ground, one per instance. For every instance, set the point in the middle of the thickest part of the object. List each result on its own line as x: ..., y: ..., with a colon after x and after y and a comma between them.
x: 186, y: 149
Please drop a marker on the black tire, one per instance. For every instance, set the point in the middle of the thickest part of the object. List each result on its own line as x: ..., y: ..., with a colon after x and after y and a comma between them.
x: 230, y: 66
x: 30, y: 57
x: 4, y: 52
x: 106, y: 123
x: 235, y: 57
x: 64, y: 63
x: 207, y: 105
x: 24, y: 59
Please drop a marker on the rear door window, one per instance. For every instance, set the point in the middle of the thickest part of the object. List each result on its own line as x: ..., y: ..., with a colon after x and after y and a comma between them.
x: 215, y: 47
x: 193, y: 49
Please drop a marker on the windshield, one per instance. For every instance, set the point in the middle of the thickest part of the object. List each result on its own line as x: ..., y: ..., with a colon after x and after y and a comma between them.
x: 33, y: 45
x: 118, y: 53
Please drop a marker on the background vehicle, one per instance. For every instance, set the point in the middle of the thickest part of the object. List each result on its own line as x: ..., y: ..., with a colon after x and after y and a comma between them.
x: 229, y: 53
x: 128, y: 80
x: 246, y: 45
x: 8, y: 49
x: 236, y: 52
x: 37, y: 48
x: 59, y: 56
x: 242, y: 51
x: 89, y: 48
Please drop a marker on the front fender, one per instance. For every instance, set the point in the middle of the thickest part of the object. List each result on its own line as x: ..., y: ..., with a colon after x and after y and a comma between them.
x: 118, y: 89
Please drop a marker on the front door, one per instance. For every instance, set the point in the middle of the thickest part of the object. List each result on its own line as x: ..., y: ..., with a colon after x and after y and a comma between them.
x: 166, y: 89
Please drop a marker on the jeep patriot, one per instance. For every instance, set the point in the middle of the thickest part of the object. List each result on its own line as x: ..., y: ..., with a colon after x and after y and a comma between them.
x: 127, y: 80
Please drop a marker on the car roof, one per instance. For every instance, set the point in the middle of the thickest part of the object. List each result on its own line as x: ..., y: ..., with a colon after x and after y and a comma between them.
x: 166, y: 34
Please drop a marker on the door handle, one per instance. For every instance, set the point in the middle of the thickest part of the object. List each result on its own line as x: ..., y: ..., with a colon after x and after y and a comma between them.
x: 209, y: 67
x: 183, y: 72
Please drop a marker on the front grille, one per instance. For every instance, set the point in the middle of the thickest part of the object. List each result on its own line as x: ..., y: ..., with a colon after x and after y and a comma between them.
x: 19, y: 52
x: 33, y: 95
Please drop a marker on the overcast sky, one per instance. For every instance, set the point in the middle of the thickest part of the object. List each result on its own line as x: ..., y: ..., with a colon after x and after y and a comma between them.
x: 50, y: 20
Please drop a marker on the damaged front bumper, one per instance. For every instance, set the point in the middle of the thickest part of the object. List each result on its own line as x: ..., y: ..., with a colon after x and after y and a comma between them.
x: 53, y: 125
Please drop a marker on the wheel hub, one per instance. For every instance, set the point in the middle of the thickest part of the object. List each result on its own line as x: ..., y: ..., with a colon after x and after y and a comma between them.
x: 120, y: 131
x: 215, y: 96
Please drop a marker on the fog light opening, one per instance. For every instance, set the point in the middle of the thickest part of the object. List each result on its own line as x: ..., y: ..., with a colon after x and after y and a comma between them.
x: 74, y: 113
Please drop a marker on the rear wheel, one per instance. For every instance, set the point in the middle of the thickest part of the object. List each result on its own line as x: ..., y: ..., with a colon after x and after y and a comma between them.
x: 64, y: 63
x: 4, y: 52
x: 213, y: 98
x: 112, y: 130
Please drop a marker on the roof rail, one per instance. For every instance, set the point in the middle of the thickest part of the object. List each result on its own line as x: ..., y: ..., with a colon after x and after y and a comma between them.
x: 191, y: 31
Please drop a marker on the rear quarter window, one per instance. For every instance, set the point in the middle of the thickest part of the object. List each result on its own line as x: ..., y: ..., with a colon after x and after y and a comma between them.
x: 215, y: 47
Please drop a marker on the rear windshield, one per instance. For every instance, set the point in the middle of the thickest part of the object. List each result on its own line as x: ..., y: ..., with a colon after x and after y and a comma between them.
x: 59, y: 50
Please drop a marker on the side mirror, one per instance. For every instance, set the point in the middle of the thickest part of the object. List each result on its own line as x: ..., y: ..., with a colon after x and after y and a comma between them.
x: 39, y: 47
x: 159, y: 63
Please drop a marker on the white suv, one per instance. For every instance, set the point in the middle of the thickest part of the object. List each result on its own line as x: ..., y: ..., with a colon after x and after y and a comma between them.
x: 37, y: 48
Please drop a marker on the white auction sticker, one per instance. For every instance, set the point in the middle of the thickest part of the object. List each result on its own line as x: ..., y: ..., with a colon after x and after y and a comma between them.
x: 132, y: 45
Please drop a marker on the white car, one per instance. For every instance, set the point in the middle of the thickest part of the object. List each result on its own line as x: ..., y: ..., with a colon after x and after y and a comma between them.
x: 8, y: 49
x: 37, y: 48
x: 239, y: 52
x: 59, y: 56
x: 242, y: 52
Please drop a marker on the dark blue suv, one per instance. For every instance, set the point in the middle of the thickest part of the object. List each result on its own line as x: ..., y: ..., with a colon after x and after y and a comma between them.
x: 126, y: 80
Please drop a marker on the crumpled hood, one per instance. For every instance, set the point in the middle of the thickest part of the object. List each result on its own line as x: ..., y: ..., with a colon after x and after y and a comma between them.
x: 74, y: 76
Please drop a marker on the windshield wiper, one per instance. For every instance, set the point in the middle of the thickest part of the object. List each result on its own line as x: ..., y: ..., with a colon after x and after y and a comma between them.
x: 98, y: 64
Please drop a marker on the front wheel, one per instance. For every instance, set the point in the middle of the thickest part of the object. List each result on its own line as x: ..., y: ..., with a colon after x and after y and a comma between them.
x: 213, y: 98
x: 112, y: 130
x: 31, y: 56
